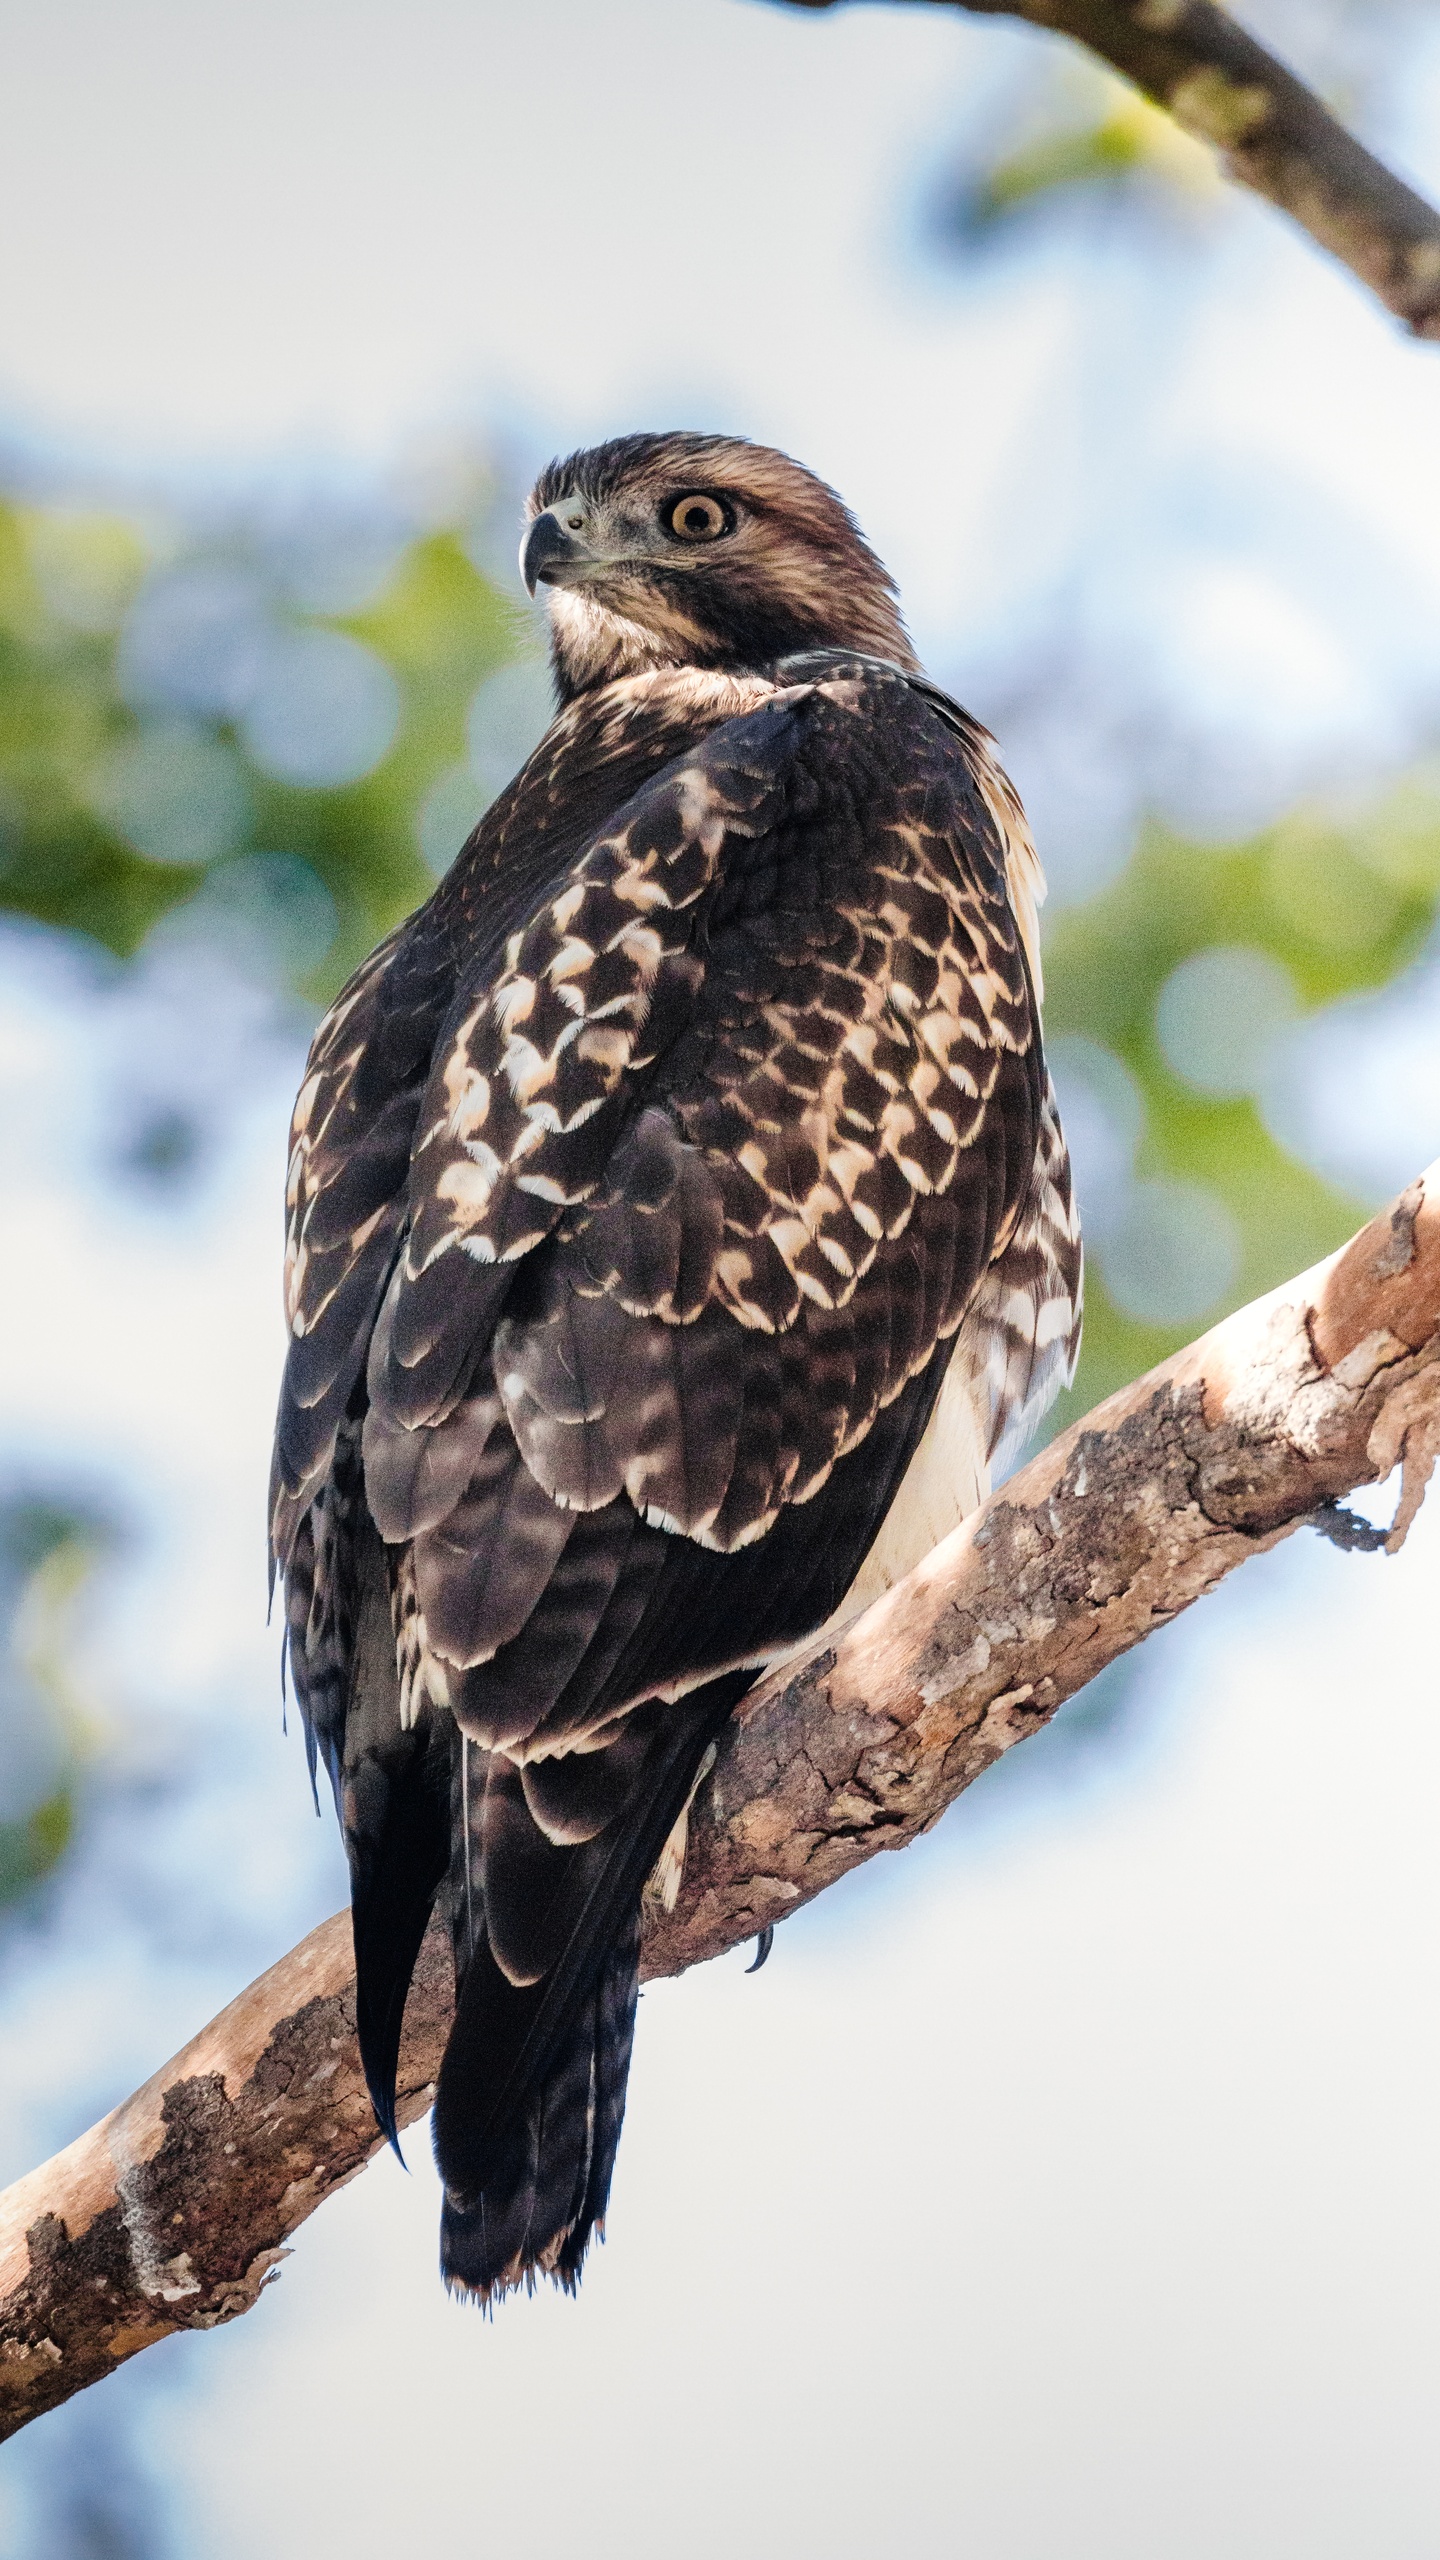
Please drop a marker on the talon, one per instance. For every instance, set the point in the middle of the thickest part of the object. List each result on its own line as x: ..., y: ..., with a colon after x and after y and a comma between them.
x: 763, y: 1945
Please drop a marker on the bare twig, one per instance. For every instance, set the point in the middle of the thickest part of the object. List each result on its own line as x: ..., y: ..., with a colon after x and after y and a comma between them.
x: 1271, y: 133
x: 174, y: 2211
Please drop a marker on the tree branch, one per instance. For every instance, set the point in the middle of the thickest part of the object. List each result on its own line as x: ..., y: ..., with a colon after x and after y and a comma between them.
x: 173, y: 2212
x: 1271, y: 133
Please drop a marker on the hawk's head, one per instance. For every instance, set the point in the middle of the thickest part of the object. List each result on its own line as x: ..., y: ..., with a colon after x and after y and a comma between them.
x: 686, y: 550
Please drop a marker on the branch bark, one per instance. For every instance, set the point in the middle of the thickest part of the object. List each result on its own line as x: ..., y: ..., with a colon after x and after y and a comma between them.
x: 174, y: 2211
x: 1271, y: 132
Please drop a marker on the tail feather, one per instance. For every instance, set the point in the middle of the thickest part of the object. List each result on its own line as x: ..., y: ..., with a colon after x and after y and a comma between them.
x: 616, y: 1993
x: 395, y: 1806
x: 548, y: 2175
x: 531, y: 2093
x: 399, y: 1853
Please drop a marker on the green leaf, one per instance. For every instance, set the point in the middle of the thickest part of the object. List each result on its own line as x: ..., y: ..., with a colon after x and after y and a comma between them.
x: 1321, y: 905
x: 29, y: 1849
x: 101, y: 806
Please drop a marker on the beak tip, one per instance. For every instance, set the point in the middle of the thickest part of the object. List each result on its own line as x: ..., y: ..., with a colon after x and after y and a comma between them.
x: 545, y: 547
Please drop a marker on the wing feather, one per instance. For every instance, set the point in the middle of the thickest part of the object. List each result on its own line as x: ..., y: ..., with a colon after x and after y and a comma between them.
x: 349, y: 1149
x: 530, y: 1088
x: 1022, y: 1333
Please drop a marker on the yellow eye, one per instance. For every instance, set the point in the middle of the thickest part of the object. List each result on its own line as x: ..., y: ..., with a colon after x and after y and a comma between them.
x: 696, y: 518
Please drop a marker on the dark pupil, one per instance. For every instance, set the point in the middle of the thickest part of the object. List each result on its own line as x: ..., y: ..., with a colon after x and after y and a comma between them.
x: 697, y: 519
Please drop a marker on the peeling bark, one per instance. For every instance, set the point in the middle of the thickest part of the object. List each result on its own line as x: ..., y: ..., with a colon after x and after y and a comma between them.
x: 1272, y: 133
x: 174, y: 2211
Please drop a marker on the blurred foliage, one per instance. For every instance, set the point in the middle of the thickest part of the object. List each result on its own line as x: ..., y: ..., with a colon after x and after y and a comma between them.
x: 49, y: 1553
x: 1091, y: 132
x: 146, y: 762
x: 1167, y: 997
x: 31, y: 1847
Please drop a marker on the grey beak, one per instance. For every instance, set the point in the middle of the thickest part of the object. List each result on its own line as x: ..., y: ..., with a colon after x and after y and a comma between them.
x: 546, y: 548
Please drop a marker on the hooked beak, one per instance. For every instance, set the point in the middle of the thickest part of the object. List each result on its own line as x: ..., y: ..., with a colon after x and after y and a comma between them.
x: 547, y: 553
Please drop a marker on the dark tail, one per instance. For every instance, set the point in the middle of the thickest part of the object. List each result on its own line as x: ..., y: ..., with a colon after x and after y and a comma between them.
x: 393, y: 1796
x: 550, y: 1865
x: 543, y: 2169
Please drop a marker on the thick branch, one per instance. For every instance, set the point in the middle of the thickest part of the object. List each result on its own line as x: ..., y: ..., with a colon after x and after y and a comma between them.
x: 1271, y: 132
x: 174, y: 2211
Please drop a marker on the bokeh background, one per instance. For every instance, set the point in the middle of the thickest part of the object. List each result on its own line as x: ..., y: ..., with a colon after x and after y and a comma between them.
x: 1067, y: 2186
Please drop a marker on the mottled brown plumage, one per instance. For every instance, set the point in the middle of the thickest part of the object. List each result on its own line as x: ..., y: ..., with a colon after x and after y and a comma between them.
x: 675, y: 1196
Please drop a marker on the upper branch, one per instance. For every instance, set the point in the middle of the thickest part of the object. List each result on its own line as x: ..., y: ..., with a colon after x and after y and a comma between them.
x: 1271, y: 132
x: 173, y: 2212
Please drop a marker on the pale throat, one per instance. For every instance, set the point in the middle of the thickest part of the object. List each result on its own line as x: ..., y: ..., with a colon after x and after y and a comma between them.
x: 592, y: 644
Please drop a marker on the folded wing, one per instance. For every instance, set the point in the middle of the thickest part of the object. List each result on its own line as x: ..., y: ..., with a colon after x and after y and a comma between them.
x: 636, y: 1335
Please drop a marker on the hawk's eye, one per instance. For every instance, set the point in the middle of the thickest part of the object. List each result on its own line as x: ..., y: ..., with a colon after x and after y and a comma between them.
x: 696, y: 518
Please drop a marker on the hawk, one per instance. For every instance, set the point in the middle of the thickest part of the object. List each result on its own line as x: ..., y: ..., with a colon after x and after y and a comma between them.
x: 678, y: 1217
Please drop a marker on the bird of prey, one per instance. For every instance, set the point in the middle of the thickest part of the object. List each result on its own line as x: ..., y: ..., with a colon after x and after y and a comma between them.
x: 678, y: 1216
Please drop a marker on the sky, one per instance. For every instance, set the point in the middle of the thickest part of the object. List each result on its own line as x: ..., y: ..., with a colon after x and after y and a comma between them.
x: 1066, y: 2186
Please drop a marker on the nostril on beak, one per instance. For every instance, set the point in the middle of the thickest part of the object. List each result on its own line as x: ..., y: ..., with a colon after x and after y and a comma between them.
x: 546, y: 546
